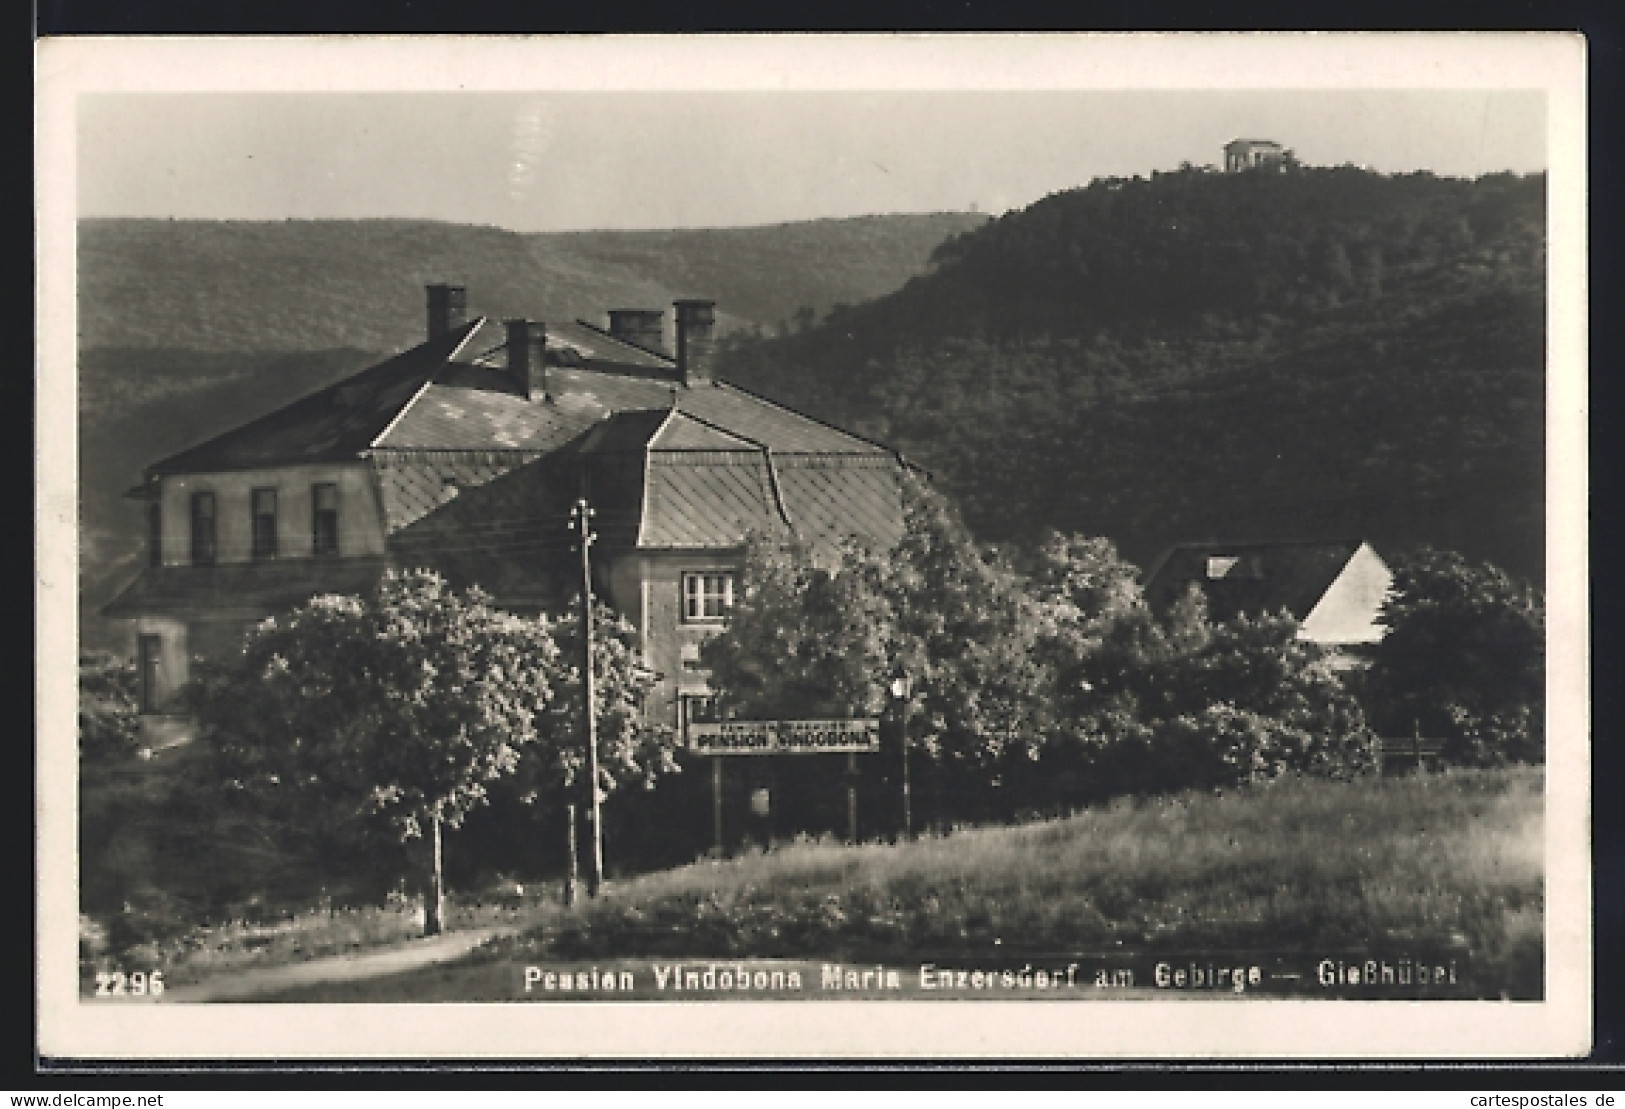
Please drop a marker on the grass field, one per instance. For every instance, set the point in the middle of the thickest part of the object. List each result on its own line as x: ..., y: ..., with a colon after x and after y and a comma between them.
x: 1451, y: 858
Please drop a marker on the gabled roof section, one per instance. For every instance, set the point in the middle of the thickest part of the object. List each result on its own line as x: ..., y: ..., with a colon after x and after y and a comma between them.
x: 684, y: 432
x: 1255, y: 578
x: 836, y: 497
x: 574, y: 343
x: 594, y: 343
x: 624, y: 432
x: 660, y: 478
x: 781, y: 430
x: 708, y: 500
x: 338, y: 422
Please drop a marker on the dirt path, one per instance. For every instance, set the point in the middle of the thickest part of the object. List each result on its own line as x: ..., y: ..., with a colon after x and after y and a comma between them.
x: 249, y: 984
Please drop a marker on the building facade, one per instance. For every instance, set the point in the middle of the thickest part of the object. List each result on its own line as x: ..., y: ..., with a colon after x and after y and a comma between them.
x: 465, y: 455
x: 1245, y: 154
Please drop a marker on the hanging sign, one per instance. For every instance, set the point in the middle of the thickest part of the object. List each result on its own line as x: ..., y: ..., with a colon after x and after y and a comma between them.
x: 784, y: 737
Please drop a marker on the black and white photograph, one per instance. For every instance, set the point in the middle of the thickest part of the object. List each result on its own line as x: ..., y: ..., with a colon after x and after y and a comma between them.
x: 813, y: 546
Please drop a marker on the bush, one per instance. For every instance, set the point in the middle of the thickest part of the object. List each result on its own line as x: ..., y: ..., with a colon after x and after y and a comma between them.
x: 109, y: 706
x: 1463, y: 660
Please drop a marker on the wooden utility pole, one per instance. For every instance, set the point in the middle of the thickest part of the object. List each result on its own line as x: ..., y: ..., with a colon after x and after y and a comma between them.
x: 900, y: 689
x: 908, y: 785
x: 716, y: 803
x: 581, y: 515
x: 573, y: 865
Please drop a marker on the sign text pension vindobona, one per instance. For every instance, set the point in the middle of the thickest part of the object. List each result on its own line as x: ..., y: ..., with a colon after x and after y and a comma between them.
x: 784, y: 737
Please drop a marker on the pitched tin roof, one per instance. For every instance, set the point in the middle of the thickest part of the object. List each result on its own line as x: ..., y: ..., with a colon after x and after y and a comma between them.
x: 454, y: 393
x: 835, y: 497
x: 333, y: 423
x: 1266, y: 578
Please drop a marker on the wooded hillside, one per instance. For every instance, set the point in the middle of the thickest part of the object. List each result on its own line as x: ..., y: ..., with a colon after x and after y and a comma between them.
x: 327, y: 284
x: 1319, y: 352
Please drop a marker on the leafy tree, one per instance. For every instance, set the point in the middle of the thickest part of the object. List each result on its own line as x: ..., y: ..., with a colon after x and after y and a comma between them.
x: 632, y: 752
x: 807, y: 636
x: 408, y: 704
x: 1463, y: 658
x: 966, y: 634
x: 826, y: 632
x: 109, y: 706
x: 1157, y: 705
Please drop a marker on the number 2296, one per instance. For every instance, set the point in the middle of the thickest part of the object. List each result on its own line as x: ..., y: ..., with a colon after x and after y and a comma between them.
x: 136, y: 984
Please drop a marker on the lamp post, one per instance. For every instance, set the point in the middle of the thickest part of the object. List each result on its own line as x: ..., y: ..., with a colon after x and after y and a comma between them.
x: 581, y: 517
x: 900, y: 689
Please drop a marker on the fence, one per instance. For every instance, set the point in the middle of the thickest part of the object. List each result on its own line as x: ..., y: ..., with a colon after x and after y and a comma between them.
x: 1411, y: 752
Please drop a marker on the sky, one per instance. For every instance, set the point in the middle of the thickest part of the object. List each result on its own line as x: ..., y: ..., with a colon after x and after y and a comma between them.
x: 564, y: 161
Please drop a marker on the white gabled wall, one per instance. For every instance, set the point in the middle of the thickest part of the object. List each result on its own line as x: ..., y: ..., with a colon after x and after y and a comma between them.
x: 1347, y: 612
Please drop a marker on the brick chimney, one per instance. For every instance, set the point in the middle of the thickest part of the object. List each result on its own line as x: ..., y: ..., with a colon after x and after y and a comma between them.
x: 527, y: 357
x: 637, y: 326
x: 696, y: 324
x: 448, y: 308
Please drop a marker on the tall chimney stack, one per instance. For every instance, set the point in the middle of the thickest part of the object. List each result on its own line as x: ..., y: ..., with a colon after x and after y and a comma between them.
x: 637, y: 326
x: 448, y: 308
x: 527, y: 354
x: 696, y: 324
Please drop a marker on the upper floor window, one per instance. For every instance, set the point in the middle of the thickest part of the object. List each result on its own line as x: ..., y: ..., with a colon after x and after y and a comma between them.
x: 324, y: 500
x: 155, y: 534
x: 149, y: 649
x: 264, y: 523
x: 707, y: 596
x: 203, y: 529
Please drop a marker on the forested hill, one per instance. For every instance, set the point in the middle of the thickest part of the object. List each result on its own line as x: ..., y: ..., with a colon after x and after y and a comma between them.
x: 264, y: 287
x: 1319, y: 352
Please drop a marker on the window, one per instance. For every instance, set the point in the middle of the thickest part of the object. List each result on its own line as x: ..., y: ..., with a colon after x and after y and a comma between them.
x: 1250, y: 567
x: 203, y: 536
x: 707, y: 597
x: 699, y: 710
x: 148, y: 649
x: 264, y: 523
x: 324, y: 500
x: 155, y: 534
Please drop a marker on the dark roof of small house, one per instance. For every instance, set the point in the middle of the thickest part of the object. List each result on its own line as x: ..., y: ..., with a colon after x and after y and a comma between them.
x: 1252, y: 142
x: 242, y: 589
x: 1268, y: 576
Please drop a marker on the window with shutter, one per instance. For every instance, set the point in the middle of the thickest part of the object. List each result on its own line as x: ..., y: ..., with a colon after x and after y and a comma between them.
x: 204, y: 546
x: 324, y: 498
x: 264, y: 523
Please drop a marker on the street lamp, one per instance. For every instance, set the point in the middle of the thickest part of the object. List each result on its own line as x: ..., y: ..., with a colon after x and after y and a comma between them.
x: 900, y: 688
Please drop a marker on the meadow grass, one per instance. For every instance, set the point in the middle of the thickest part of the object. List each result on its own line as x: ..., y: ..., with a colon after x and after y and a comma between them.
x: 1301, y: 864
